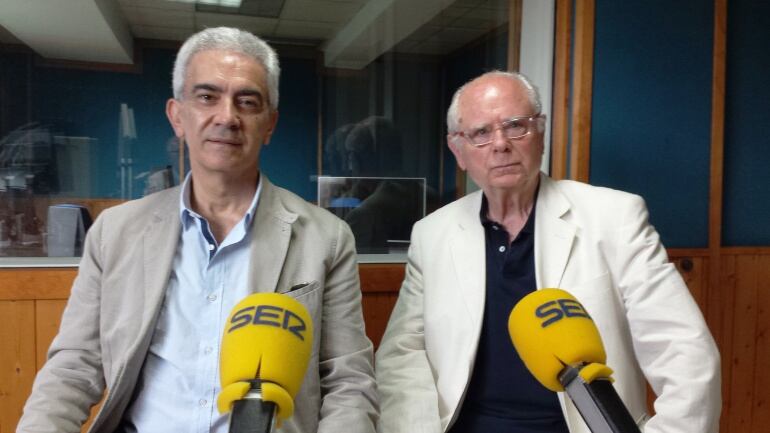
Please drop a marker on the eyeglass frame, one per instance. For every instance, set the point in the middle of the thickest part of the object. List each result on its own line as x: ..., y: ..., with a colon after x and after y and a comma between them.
x: 538, y: 119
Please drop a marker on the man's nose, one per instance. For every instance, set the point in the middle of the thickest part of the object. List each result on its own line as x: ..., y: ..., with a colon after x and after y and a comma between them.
x: 227, y: 114
x: 499, y: 141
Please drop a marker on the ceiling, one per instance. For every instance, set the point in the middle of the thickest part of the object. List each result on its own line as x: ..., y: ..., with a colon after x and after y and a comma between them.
x: 351, y: 33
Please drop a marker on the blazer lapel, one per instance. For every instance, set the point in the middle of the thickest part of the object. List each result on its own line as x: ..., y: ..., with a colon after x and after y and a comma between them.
x: 469, y: 258
x: 553, y: 235
x: 160, y: 240
x: 270, y: 236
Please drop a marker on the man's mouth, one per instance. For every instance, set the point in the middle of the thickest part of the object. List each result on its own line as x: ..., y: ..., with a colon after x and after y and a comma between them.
x: 225, y: 141
x: 506, y: 166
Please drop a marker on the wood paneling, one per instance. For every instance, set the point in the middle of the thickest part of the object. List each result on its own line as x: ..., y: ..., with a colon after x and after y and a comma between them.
x: 742, y: 334
x: 745, y: 348
x: 694, y: 271
x: 761, y: 375
x: 717, y: 129
x: 380, y: 284
x: 721, y: 322
x: 379, y: 278
x: 17, y: 360
x: 582, y: 90
x: 39, y: 283
x: 561, y: 89
x: 377, y: 308
x: 718, y: 310
x: 514, y: 34
x: 47, y: 320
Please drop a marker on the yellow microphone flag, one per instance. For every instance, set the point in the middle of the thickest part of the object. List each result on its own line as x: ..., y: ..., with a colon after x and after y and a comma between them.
x: 550, y: 329
x: 268, y: 336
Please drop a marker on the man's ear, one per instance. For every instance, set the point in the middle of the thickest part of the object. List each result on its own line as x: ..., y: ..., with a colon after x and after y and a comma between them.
x: 273, y: 121
x: 173, y: 108
x: 451, y: 141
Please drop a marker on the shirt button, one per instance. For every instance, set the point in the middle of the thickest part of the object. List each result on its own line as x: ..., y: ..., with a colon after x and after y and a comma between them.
x: 202, y: 402
x: 208, y: 350
x: 211, y: 298
x: 211, y: 247
x: 501, y: 249
x: 495, y: 227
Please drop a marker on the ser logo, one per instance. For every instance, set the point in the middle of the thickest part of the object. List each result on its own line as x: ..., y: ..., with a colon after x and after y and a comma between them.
x: 553, y: 311
x: 269, y: 315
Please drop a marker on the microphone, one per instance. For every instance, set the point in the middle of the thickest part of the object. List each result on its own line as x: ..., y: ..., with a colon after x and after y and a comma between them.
x: 266, y: 348
x: 561, y: 346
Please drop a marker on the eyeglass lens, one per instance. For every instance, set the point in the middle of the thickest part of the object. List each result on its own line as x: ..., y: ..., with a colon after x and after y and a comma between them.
x: 513, y: 128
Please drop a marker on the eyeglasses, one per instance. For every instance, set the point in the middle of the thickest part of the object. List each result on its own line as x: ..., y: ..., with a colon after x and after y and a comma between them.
x: 513, y: 128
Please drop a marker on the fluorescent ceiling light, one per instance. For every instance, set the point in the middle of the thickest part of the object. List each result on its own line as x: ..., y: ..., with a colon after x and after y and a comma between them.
x: 224, y: 3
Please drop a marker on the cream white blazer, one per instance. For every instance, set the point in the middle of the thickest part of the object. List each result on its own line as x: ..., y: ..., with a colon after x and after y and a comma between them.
x: 597, y: 244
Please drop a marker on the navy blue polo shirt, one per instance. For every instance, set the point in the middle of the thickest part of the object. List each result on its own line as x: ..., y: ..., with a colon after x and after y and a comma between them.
x: 503, y: 396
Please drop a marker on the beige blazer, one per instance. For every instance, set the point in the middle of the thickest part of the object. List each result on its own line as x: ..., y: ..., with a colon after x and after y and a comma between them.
x: 111, y: 313
x: 593, y: 242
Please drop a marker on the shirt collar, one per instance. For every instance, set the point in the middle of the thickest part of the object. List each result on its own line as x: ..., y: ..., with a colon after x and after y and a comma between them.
x: 529, y: 226
x: 186, y: 214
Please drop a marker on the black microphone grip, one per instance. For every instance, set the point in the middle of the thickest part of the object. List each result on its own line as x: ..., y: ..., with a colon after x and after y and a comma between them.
x: 598, y: 403
x: 251, y: 414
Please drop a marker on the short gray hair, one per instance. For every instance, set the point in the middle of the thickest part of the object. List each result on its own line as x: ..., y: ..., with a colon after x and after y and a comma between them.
x: 228, y: 39
x: 453, y: 114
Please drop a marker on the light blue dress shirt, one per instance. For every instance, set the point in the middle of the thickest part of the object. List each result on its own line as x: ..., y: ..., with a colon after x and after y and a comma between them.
x: 179, y: 381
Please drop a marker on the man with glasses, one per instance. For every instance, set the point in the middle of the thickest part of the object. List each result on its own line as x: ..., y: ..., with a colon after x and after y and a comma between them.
x: 446, y: 362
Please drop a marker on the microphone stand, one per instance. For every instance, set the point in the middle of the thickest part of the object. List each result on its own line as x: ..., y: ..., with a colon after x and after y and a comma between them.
x: 598, y: 403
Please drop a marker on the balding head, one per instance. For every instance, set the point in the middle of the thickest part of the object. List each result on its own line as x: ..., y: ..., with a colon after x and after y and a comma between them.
x: 454, y: 114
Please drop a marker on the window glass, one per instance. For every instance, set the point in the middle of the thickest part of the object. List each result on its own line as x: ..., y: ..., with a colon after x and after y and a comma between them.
x: 364, y: 90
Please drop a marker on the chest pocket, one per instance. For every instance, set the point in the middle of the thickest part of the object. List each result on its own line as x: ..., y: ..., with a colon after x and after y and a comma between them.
x: 309, y: 294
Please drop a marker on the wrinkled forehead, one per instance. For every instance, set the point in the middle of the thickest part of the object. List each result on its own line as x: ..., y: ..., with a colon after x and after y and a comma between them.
x: 493, y: 99
x: 215, y: 64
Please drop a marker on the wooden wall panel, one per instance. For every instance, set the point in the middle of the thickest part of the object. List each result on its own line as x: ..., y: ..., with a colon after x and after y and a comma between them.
x: 561, y: 89
x: 760, y: 409
x: 17, y: 360
x: 36, y: 283
x: 742, y: 344
x: 380, y: 284
x: 514, y: 35
x: 377, y: 308
x: 694, y: 271
x: 742, y: 336
x: 47, y: 320
x: 724, y: 330
x: 582, y: 90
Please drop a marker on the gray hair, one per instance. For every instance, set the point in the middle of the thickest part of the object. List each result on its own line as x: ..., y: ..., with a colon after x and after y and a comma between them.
x: 228, y: 39
x: 453, y: 114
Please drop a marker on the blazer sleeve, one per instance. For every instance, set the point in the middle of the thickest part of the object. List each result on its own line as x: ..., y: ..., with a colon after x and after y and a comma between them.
x: 671, y: 340
x: 72, y: 379
x: 407, y: 388
x: 345, y: 364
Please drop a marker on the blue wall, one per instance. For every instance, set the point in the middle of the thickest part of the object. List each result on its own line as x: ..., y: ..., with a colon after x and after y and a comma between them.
x: 79, y: 102
x: 650, y: 130
x: 290, y: 158
x: 746, y: 217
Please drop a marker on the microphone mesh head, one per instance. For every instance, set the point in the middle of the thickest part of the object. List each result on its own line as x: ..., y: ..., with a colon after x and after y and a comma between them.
x: 550, y: 329
x: 268, y: 336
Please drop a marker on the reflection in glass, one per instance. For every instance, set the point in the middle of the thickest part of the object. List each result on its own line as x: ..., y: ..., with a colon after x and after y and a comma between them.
x: 364, y: 92
x: 379, y: 210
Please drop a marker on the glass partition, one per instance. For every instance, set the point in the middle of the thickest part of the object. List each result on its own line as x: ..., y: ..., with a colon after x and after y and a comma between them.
x: 364, y: 90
